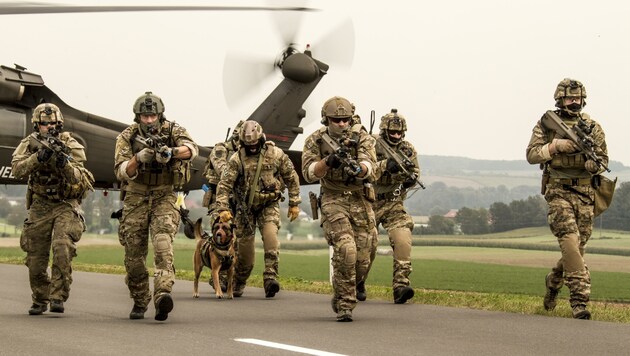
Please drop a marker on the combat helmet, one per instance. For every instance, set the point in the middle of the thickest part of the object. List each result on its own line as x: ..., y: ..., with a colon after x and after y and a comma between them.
x: 392, y: 121
x: 251, y: 137
x: 148, y: 103
x: 337, y: 107
x: 47, y: 112
x: 570, y: 88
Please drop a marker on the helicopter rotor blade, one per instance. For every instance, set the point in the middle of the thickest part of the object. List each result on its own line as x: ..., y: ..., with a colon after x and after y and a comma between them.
x: 17, y: 8
x: 242, y: 74
x: 287, y: 24
x: 336, y: 46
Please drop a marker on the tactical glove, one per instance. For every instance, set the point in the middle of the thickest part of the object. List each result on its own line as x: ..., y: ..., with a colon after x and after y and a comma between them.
x: 391, y: 166
x: 333, y: 160
x: 293, y: 213
x: 225, y: 216
x: 44, y: 154
x: 145, y: 156
x: 61, y: 161
x: 591, y: 166
x: 164, y: 154
x: 564, y: 146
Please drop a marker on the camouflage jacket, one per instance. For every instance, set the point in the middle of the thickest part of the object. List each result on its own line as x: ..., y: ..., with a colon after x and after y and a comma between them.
x: 277, y: 172
x: 153, y: 175
x: 217, y: 161
x: 315, y: 149
x: 46, y: 180
x: 386, y: 181
x: 564, y: 165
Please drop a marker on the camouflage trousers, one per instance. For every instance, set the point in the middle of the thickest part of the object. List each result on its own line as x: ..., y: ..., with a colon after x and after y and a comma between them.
x: 268, y: 221
x: 349, y: 227
x: 154, y: 214
x: 399, y: 224
x: 57, y: 226
x: 570, y: 218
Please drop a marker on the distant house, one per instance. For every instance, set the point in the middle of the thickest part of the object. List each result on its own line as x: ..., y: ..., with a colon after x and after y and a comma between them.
x: 451, y: 214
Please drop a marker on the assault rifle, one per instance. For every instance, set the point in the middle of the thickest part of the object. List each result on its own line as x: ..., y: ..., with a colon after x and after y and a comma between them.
x: 52, y: 142
x: 340, y: 148
x: 401, y: 160
x: 580, y: 134
x: 153, y: 142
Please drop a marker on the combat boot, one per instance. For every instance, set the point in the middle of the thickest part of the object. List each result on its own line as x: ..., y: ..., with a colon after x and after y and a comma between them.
x: 137, y: 312
x: 37, y: 309
x: 551, y: 295
x: 163, y: 306
x: 271, y: 288
x: 580, y: 312
x: 402, y: 294
x: 239, y: 288
x: 344, y: 316
x: 56, y: 306
x: 222, y: 283
x: 361, y: 293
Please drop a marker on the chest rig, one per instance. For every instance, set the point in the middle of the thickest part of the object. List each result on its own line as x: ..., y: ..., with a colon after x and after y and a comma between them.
x: 155, y: 173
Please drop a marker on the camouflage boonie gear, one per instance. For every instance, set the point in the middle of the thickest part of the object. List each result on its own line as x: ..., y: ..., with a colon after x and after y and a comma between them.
x: 570, y: 197
x: 55, y: 220
x: 276, y: 174
x: 347, y: 216
x: 149, y: 208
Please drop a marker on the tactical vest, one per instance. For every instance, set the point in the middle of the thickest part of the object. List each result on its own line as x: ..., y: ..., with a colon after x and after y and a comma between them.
x: 567, y: 160
x: 155, y: 173
x: 338, y: 176
x: 270, y: 184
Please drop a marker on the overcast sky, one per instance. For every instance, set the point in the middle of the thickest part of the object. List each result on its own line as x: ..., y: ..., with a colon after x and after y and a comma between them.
x: 472, y: 77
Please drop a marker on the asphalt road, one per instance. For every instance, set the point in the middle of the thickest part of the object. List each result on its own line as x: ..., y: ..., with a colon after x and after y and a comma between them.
x: 96, y: 323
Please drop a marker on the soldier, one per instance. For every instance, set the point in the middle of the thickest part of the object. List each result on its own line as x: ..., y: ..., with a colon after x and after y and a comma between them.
x: 568, y: 178
x: 391, y: 190
x: 257, y: 175
x: 148, y: 178
x: 52, y: 161
x: 215, y: 165
x: 341, y: 157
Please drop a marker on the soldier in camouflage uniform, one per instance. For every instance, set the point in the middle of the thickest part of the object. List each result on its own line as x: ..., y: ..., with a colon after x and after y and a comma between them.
x: 257, y: 174
x: 568, y: 189
x: 148, y: 178
x: 347, y: 216
x: 215, y: 165
x: 391, y: 190
x: 57, y: 182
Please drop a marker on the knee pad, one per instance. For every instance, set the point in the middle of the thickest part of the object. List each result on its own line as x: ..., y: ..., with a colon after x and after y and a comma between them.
x: 348, y: 254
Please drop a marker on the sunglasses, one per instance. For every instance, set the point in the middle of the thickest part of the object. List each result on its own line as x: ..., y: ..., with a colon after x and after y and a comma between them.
x: 47, y: 123
x: 337, y: 120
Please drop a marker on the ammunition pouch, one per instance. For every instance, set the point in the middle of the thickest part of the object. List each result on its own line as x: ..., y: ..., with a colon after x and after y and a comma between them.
x: 604, y: 191
x: 208, y: 196
x: 544, y: 182
x: 181, y: 173
x: 368, y: 192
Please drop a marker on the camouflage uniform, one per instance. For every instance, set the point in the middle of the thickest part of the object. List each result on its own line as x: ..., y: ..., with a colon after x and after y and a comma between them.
x: 150, y: 206
x: 570, y: 197
x: 264, y: 210
x: 390, y: 211
x: 346, y: 215
x: 54, y: 215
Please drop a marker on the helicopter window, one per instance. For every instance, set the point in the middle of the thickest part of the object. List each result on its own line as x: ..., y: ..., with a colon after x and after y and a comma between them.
x: 14, y: 124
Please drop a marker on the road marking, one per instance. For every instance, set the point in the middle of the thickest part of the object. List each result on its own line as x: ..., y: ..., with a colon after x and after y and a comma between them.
x: 288, y: 347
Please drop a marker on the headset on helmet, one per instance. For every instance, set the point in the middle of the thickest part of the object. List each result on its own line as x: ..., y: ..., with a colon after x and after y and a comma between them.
x: 392, y: 121
x: 336, y: 107
x: 47, y: 112
x: 569, y: 88
x: 148, y: 103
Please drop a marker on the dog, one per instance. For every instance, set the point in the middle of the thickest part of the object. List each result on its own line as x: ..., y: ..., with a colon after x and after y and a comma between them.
x: 218, y: 253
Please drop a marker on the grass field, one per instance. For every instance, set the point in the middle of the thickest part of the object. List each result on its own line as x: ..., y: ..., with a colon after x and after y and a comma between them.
x: 491, y: 278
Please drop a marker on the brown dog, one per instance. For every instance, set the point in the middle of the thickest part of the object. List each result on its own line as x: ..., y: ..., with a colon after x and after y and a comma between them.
x: 217, y: 252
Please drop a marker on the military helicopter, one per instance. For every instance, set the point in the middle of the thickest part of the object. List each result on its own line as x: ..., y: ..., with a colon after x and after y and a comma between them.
x: 280, y: 114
